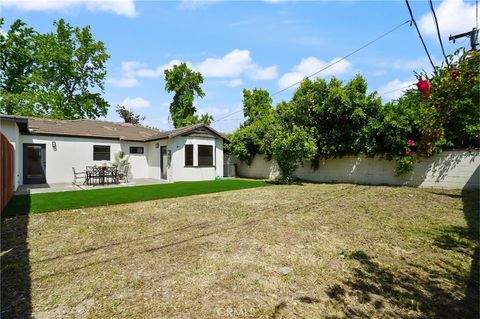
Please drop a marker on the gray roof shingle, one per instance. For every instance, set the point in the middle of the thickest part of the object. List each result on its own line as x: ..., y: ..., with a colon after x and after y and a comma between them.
x: 102, y: 129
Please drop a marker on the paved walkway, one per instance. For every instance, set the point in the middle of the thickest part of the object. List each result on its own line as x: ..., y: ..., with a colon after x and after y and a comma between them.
x: 63, y: 187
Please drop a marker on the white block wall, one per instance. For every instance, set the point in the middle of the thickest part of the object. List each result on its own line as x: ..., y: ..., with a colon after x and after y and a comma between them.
x: 453, y: 169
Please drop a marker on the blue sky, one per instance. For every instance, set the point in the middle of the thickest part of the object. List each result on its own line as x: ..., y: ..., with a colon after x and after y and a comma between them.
x: 248, y: 44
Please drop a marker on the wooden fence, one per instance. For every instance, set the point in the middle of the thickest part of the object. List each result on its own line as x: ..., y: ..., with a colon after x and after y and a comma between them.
x: 6, y: 171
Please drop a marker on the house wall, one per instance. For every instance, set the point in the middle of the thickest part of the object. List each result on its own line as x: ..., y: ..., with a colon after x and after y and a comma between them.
x: 78, y: 152
x: 138, y: 162
x: 11, y: 132
x: 453, y: 169
x: 177, y: 169
x: 153, y: 158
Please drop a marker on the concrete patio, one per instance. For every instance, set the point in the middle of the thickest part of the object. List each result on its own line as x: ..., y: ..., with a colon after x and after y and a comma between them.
x: 64, y: 187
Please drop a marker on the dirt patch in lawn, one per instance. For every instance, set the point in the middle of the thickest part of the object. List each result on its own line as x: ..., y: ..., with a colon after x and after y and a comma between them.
x: 309, y: 251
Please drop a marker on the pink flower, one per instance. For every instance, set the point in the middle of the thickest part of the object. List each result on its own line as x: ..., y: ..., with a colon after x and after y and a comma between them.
x: 411, y: 143
x: 408, y: 151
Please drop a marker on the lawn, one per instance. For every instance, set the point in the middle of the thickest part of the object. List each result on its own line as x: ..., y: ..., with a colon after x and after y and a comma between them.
x: 49, y: 202
x: 306, y: 251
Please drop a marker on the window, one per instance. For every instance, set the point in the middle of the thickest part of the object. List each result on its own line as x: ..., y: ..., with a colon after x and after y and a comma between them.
x: 136, y: 150
x: 188, y: 155
x: 101, y: 153
x: 205, y: 155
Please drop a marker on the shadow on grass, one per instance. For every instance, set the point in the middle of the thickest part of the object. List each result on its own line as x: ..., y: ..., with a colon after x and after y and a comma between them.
x: 421, y: 288
x: 15, y: 265
x: 471, y: 209
x: 296, y: 182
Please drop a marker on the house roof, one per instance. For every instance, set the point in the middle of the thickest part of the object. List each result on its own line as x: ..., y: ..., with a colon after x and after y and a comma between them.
x: 99, y: 129
x: 191, y: 130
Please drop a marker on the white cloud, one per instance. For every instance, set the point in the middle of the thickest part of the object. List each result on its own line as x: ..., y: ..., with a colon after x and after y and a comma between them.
x: 121, y: 7
x: 234, y: 64
x: 289, y: 79
x: 135, y: 103
x: 235, y: 82
x: 454, y: 16
x: 134, y: 69
x: 125, y: 82
x: 257, y: 73
x: 311, y: 65
x: 394, y: 89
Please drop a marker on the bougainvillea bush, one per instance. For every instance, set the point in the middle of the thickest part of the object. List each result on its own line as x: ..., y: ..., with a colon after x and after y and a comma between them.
x: 449, y: 112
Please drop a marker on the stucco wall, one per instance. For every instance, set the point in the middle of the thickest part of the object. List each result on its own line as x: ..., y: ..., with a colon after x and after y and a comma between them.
x: 78, y: 152
x: 11, y: 132
x: 177, y: 165
x: 454, y: 169
x: 153, y: 158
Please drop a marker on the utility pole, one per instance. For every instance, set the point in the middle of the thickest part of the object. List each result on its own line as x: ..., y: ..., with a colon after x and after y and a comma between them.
x: 473, y: 37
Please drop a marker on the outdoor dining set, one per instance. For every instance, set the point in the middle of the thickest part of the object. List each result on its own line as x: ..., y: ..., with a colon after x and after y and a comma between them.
x: 101, y: 175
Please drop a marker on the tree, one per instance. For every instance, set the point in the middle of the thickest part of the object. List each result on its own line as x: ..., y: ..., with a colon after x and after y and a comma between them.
x: 128, y: 116
x: 291, y: 146
x: 256, y: 104
x: 59, y: 74
x: 185, y: 84
x: 17, y: 62
x: 255, y: 135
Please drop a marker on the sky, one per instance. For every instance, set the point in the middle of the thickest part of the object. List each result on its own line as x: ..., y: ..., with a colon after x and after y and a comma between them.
x: 240, y: 45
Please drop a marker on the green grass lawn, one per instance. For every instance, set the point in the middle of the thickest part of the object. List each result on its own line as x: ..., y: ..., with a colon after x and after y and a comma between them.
x: 352, y: 252
x: 48, y: 202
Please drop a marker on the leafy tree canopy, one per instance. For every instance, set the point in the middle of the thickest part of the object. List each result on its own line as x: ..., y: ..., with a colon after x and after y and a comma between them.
x: 328, y: 119
x: 60, y: 74
x: 185, y: 84
x: 128, y: 116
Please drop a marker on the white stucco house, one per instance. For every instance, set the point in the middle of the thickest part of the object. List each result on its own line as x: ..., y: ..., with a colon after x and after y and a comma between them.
x: 45, y: 150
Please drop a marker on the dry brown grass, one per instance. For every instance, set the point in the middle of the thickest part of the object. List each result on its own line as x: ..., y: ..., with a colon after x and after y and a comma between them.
x: 354, y: 251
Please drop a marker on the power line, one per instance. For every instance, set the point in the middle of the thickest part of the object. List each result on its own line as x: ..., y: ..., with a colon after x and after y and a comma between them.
x: 328, y: 66
x: 420, y: 35
x: 228, y: 115
x: 438, y: 31
x: 402, y: 88
x: 343, y: 58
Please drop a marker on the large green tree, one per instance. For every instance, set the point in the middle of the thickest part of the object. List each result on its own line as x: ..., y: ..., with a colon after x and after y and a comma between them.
x: 185, y: 83
x: 59, y: 74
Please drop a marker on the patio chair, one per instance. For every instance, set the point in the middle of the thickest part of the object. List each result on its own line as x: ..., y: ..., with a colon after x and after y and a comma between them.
x: 123, y: 174
x: 92, y: 175
x: 79, y: 175
x: 111, y: 174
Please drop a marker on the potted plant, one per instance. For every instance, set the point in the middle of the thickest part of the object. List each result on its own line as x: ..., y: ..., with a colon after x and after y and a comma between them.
x: 122, y: 164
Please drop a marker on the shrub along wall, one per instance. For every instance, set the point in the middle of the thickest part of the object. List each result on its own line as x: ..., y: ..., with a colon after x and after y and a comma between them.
x: 451, y: 169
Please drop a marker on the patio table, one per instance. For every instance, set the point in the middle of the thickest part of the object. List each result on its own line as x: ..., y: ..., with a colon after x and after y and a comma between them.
x: 101, y: 175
